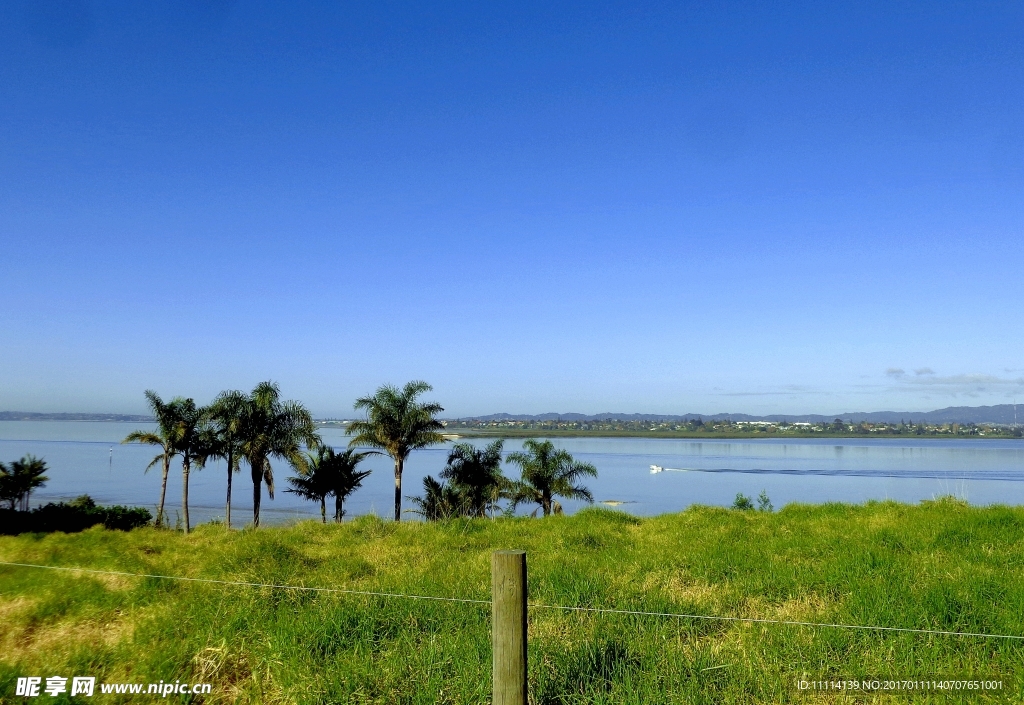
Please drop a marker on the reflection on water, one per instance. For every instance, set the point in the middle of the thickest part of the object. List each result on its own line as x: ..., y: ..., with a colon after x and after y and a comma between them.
x: 85, y: 457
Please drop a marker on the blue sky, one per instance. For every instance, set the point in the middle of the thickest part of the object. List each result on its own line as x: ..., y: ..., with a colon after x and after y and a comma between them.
x: 666, y: 208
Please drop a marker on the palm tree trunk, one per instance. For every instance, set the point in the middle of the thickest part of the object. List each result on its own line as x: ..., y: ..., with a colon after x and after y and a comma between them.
x: 257, y: 478
x: 337, y: 507
x: 163, y: 490
x: 323, y: 509
x: 546, y: 503
x: 227, y: 507
x: 184, y: 490
x: 399, y: 462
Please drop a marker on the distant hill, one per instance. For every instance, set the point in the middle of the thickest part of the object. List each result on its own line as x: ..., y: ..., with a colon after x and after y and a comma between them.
x: 33, y: 416
x: 999, y: 414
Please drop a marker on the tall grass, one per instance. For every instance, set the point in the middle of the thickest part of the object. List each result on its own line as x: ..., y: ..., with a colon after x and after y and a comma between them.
x: 939, y: 565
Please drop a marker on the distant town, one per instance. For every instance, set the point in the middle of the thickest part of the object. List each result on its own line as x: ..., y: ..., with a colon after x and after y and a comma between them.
x: 727, y: 428
x: 721, y: 428
x: 981, y: 421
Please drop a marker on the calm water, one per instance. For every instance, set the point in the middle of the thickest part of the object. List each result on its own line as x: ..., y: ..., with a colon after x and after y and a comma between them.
x: 712, y: 472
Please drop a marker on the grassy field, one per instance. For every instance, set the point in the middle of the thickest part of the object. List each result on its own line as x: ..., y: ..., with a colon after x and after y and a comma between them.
x: 939, y: 565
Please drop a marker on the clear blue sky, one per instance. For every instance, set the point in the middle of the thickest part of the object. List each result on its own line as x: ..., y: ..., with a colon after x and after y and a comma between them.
x: 666, y: 208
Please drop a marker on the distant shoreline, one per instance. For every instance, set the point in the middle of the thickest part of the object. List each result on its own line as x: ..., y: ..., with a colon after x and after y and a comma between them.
x: 31, y: 416
x: 456, y: 433
x: 464, y: 433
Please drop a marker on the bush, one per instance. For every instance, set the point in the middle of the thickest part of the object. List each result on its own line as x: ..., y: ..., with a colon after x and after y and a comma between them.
x: 79, y: 514
x: 742, y: 502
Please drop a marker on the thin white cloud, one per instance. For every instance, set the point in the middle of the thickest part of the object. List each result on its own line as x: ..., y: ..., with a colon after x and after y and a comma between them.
x: 971, y: 385
x: 788, y: 390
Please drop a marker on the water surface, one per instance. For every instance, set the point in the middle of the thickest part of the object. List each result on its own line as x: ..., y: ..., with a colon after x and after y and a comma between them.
x: 86, y: 457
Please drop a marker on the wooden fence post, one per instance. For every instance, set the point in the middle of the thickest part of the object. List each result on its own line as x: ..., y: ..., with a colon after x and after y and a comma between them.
x: 508, y: 626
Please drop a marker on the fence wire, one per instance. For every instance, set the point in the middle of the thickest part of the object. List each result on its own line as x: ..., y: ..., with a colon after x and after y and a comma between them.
x: 534, y: 605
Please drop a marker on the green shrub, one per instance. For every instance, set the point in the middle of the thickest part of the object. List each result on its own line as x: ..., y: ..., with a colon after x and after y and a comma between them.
x: 79, y: 514
x: 742, y: 502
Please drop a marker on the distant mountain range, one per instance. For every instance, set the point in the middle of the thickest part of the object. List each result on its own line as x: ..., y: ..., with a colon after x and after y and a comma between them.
x: 999, y: 414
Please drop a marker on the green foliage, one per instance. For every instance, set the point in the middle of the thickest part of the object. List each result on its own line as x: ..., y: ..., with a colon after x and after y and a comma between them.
x: 8, y: 488
x: 223, y: 437
x: 345, y: 477
x: 167, y: 415
x: 440, y: 501
x: 548, y: 473
x: 77, y: 515
x: 742, y: 502
x: 764, y: 503
x: 329, y: 473
x: 311, y: 485
x: 475, y: 476
x: 19, y: 479
x: 267, y: 428
x: 936, y: 565
x: 190, y: 438
x: 397, y: 424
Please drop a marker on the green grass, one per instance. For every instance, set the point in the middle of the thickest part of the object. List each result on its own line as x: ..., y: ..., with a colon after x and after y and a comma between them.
x: 939, y: 565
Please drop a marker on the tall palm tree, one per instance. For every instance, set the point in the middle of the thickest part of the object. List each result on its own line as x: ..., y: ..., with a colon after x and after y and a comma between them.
x: 19, y: 479
x: 548, y: 473
x: 476, y: 475
x: 269, y: 428
x: 397, y: 424
x: 189, y: 444
x: 346, y: 478
x: 226, y: 413
x: 312, y: 484
x: 166, y: 415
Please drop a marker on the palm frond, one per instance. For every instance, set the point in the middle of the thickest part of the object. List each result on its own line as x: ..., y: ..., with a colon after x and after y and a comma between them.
x: 147, y: 437
x: 268, y: 478
x: 155, y: 461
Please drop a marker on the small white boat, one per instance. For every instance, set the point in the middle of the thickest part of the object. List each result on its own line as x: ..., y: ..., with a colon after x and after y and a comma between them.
x: 656, y: 468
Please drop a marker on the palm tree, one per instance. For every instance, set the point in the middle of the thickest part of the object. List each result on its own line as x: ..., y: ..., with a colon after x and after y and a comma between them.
x: 397, y: 424
x: 312, y: 483
x: 344, y: 478
x: 226, y: 413
x: 329, y: 473
x: 19, y: 479
x: 189, y: 444
x: 270, y: 427
x: 476, y: 475
x: 548, y: 473
x: 439, y: 501
x: 166, y: 415
x: 8, y: 491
